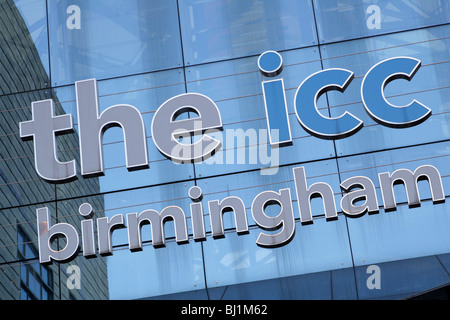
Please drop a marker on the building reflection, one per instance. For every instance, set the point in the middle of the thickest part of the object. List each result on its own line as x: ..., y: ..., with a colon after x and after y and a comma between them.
x: 24, y: 79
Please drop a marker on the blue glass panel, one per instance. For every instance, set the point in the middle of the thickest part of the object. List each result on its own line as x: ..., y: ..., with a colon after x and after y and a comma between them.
x: 150, y: 272
x: 34, y: 286
x: 187, y: 295
x: 317, y: 247
x: 339, y: 20
x: 445, y: 260
x: 402, y: 279
x: 315, y: 286
x: 406, y: 232
x: 429, y: 86
x: 335, y: 284
x: 235, y: 86
x: 343, y: 284
x: 215, y: 30
x: 401, y: 234
x: 112, y: 39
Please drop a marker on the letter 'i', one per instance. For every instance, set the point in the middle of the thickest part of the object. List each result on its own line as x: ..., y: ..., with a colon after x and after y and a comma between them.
x: 198, y: 225
x: 87, y: 230
x: 270, y: 64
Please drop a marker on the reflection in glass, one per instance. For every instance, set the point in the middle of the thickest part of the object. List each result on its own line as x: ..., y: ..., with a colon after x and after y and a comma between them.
x: 36, y: 280
x: 317, y: 247
x: 102, y: 39
x: 339, y: 20
x: 24, y: 49
x: 216, y: 30
x: 22, y: 277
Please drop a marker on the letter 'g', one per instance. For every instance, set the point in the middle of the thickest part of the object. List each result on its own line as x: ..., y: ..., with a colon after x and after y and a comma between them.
x: 284, y: 220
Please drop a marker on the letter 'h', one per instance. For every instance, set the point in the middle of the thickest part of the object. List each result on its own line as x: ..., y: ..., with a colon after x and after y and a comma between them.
x: 44, y: 126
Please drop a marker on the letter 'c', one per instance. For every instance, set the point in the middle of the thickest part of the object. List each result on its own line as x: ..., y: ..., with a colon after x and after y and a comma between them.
x: 306, y: 105
x: 372, y: 93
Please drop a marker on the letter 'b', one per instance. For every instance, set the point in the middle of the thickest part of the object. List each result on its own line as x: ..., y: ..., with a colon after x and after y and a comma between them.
x: 46, y: 233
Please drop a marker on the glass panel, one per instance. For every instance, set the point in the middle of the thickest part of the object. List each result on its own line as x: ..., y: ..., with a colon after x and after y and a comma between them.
x: 24, y: 50
x: 187, y: 295
x: 406, y: 232
x: 336, y: 284
x: 235, y: 86
x: 23, y: 294
x: 401, y: 234
x: 445, y: 261
x: 145, y: 92
x: 216, y: 30
x: 153, y: 272
x: 316, y: 247
x: 400, y: 279
x: 101, y: 39
x: 34, y: 285
x: 84, y: 279
x: 44, y: 294
x: 430, y: 86
x: 339, y: 20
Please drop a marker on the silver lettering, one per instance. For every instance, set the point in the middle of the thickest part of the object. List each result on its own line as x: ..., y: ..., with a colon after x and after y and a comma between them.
x: 304, y: 195
x: 43, y: 128
x: 157, y: 221
x: 92, y: 126
x: 285, y: 218
x: 409, y: 180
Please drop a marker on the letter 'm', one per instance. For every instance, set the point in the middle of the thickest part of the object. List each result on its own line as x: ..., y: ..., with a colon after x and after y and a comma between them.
x: 157, y: 221
x: 409, y: 180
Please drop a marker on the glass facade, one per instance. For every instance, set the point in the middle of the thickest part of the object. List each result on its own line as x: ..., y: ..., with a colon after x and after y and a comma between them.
x: 142, y: 53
